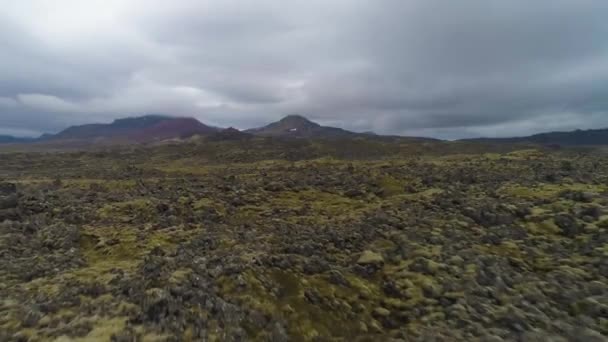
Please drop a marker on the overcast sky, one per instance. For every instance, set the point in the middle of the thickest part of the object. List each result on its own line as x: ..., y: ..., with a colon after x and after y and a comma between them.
x: 447, y: 69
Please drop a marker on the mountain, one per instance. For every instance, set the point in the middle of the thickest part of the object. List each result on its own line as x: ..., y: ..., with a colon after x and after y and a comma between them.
x: 173, y: 128
x: 157, y: 128
x: 573, y: 138
x: 8, y: 139
x: 300, y: 127
x: 229, y: 134
x: 118, y: 128
x: 135, y: 129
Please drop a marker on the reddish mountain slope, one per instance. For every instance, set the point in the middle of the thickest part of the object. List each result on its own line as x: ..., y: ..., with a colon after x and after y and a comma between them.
x: 142, y: 129
x: 119, y: 128
x: 173, y: 128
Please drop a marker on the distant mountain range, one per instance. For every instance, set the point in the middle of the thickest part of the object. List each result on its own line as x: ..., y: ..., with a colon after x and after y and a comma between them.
x: 155, y: 128
x: 158, y: 128
x: 573, y: 138
x: 8, y: 139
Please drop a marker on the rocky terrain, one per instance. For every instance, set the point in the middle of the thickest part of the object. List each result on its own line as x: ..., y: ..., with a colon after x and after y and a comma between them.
x: 268, y: 240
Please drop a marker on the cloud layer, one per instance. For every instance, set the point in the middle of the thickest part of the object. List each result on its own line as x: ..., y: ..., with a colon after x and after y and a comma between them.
x: 447, y: 69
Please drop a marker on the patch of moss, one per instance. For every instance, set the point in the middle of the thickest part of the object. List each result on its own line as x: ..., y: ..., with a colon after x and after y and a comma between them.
x: 166, y: 239
x: 546, y: 191
x: 492, y: 156
x: 184, y: 167
x: 391, y: 186
x: 527, y: 154
x: 505, y: 249
x: 180, y: 275
x: 382, y: 245
x: 103, y: 329
x: 603, y: 250
x: 290, y: 300
x: 204, y: 203
x: 546, y: 227
x: 127, y: 211
x: 545, y: 264
x: 109, y: 184
x: 426, y: 251
x: 113, y: 243
x: 310, y: 206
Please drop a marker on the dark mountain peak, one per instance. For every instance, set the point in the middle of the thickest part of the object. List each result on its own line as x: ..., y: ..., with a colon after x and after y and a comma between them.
x: 298, y: 122
x: 230, y: 133
x: 231, y: 130
x: 140, y: 120
x: 295, y: 119
x: 299, y: 126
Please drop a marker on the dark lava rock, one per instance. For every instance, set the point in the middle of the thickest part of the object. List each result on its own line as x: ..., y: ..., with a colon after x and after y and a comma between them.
x: 9, y: 201
x: 8, y: 188
x: 568, y: 225
x: 578, y: 196
x: 335, y: 277
x: 9, y: 214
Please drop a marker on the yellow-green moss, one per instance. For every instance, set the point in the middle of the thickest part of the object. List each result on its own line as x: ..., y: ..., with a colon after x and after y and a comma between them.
x: 103, y: 329
x: 391, y: 186
x: 546, y: 190
x: 128, y: 210
x: 290, y: 301
x: 526, y: 154
x: 547, y: 227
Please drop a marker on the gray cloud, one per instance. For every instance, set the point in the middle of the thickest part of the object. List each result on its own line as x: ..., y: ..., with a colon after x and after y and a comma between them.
x: 417, y: 67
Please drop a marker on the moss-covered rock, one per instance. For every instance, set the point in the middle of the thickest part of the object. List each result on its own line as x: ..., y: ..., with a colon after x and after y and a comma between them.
x: 370, y: 258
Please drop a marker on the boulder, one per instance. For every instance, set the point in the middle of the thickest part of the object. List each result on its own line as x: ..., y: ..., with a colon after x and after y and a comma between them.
x: 370, y: 258
x: 381, y: 312
x: 424, y: 265
x: 9, y: 214
x: 8, y: 202
x: 8, y: 189
x: 568, y: 225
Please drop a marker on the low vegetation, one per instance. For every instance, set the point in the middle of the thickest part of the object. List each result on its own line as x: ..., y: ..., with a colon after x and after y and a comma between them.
x: 297, y: 240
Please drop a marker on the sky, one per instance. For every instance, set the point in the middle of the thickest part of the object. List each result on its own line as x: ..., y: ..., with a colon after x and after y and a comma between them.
x: 446, y: 69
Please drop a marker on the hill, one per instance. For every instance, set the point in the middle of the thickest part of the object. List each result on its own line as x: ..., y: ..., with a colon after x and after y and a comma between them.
x: 9, y: 139
x: 230, y: 134
x: 573, y: 138
x: 119, y: 127
x: 300, y: 127
x: 136, y: 129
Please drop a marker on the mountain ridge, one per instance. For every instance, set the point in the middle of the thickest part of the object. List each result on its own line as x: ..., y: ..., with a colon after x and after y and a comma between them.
x: 140, y: 129
x: 156, y: 127
x: 9, y: 139
x: 299, y: 126
x: 579, y: 137
x: 116, y: 128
